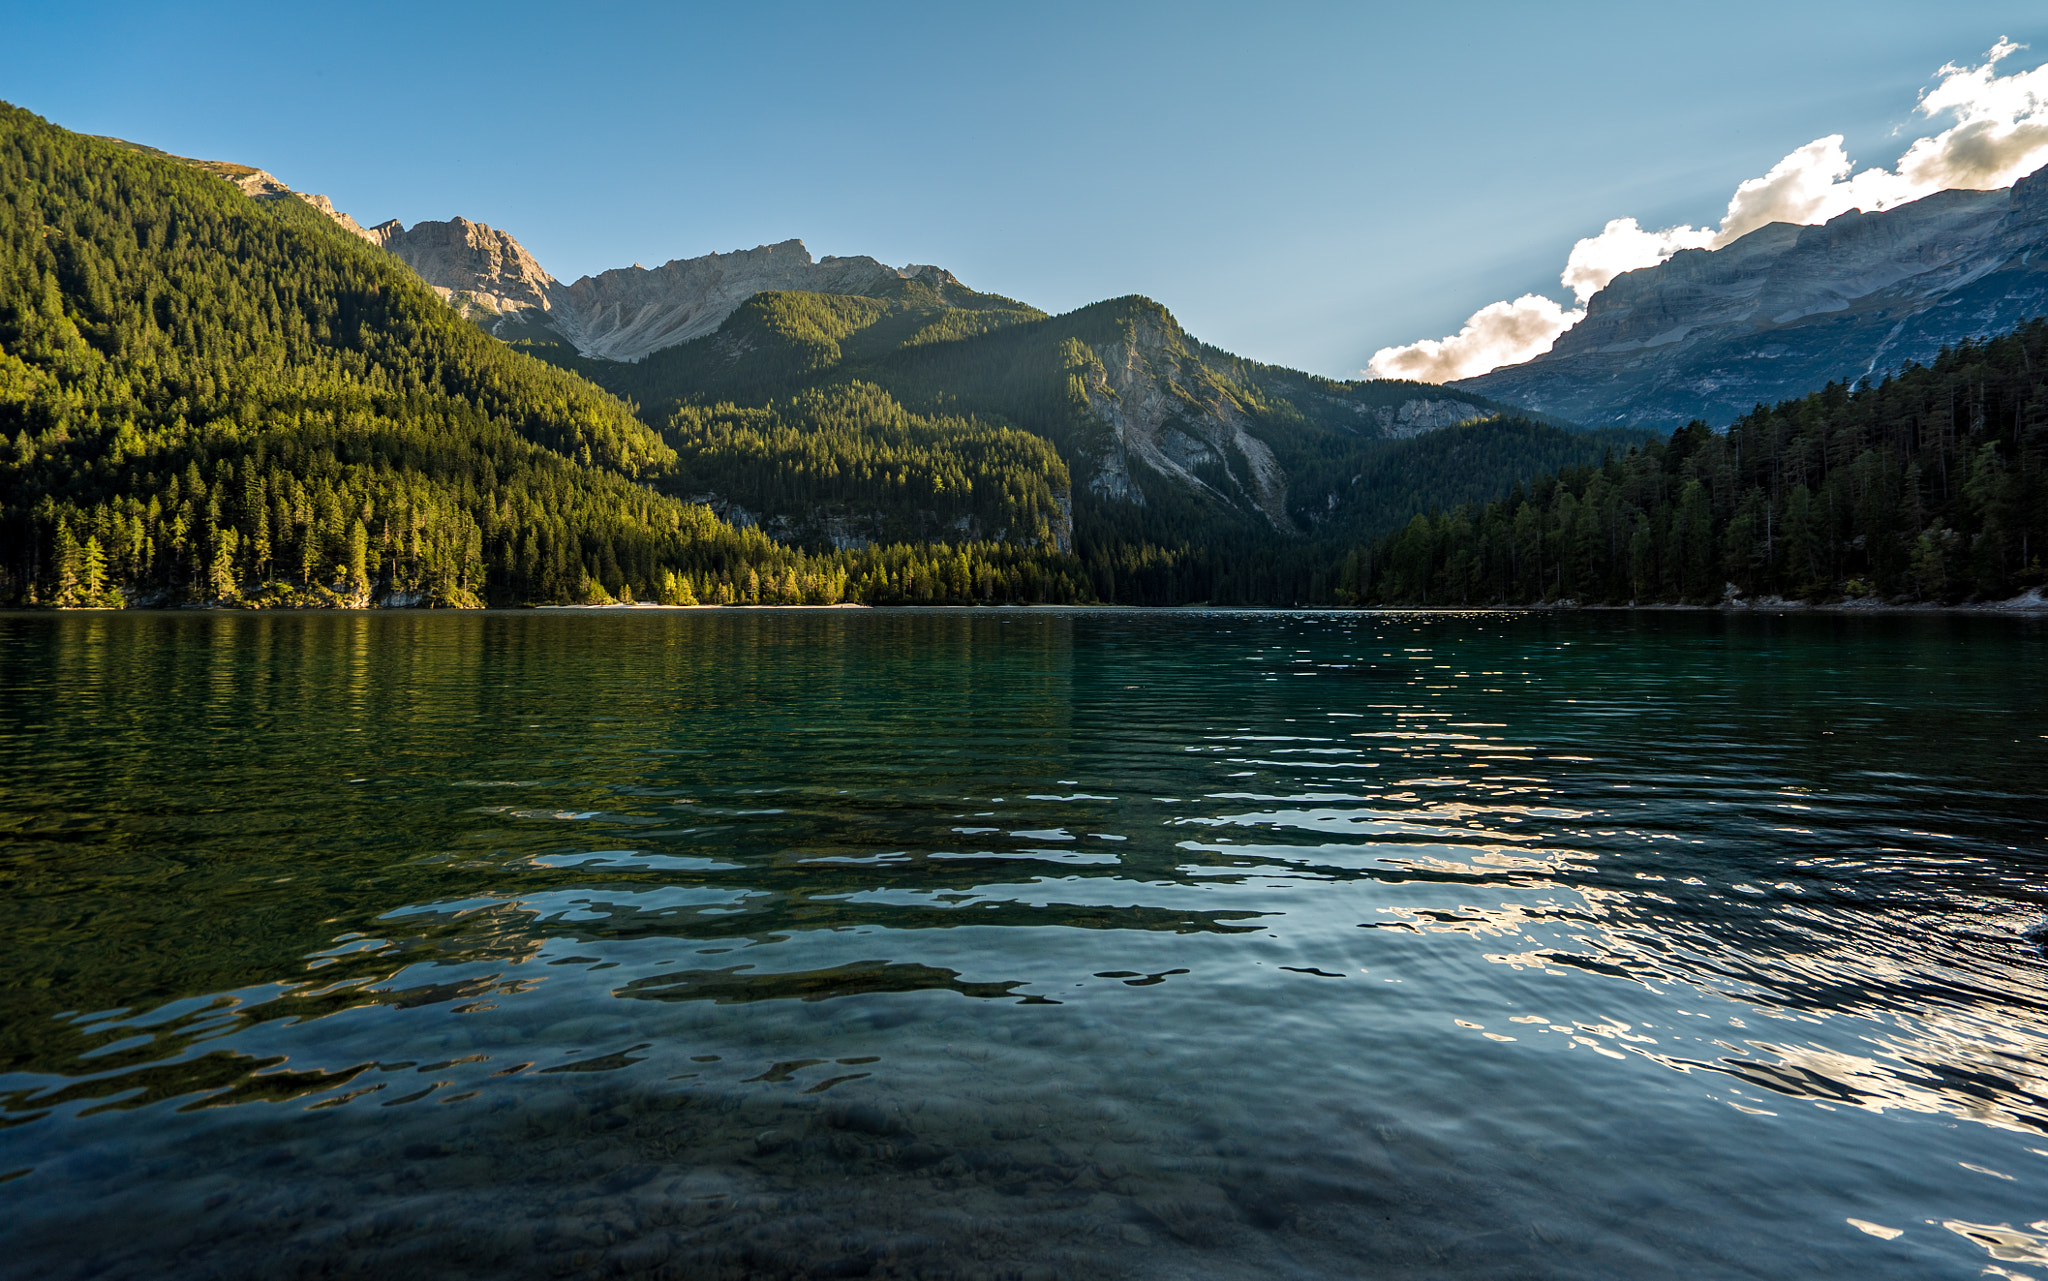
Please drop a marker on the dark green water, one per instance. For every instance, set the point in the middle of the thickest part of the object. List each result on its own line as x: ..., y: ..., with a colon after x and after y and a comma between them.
x: 728, y: 943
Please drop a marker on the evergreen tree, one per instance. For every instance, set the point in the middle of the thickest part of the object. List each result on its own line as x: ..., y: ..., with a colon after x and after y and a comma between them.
x: 230, y: 400
x: 1931, y: 485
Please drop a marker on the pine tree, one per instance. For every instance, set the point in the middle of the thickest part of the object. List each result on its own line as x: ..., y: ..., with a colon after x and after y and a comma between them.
x: 68, y: 565
x: 92, y: 577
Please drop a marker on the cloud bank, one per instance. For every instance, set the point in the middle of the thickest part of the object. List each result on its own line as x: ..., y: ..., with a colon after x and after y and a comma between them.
x: 1999, y: 135
x: 1502, y: 333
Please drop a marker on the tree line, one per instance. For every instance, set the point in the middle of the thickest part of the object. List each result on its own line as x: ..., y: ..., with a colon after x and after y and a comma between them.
x: 208, y: 398
x: 1931, y: 485
x: 853, y: 449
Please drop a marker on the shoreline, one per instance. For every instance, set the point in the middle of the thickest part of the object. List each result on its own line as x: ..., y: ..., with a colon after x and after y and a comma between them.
x: 2030, y: 605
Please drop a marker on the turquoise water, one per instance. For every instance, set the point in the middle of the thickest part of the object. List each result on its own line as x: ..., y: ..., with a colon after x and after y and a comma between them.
x: 1007, y: 943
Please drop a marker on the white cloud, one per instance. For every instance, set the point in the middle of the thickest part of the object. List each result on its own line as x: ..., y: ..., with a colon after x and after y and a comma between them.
x: 2000, y: 135
x: 1503, y: 333
x: 1806, y: 186
x: 1624, y: 246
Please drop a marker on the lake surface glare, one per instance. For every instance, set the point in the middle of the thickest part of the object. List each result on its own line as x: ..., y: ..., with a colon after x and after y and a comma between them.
x: 1023, y: 944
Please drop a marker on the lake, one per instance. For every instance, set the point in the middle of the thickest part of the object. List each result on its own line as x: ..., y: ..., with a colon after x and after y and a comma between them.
x: 1023, y: 943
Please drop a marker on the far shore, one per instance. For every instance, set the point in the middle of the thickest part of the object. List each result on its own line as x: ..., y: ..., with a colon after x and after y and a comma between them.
x: 2031, y: 604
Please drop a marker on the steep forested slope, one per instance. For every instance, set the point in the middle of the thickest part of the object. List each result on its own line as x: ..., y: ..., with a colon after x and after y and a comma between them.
x: 209, y: 397
x: 778, y: 424
x: 1196, y: 475
x: 1931, y: 486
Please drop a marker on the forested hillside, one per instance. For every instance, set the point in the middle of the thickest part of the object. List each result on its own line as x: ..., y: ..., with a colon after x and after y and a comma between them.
x: 209, y: 398
x: 830, y: 417
x: 1932, y: 486
x: 779, y: 425
x: 205, y: 397
x: 849, y: 463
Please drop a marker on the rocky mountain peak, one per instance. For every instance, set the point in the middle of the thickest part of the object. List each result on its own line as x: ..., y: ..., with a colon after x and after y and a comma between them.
x: 625, y: 313
x: 621, y: 314
x: 470, y: 258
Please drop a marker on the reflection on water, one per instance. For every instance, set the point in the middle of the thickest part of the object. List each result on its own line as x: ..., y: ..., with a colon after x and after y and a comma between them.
x: 1006, y: 942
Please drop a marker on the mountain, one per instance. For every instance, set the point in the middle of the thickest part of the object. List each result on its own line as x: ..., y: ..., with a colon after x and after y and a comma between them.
x: 843, y: 402
x: 629, y: 312
x: 626, y: 313
x: 482, y: 271
x: 211, y: 398
x: 844, y: 406
x: 1195, y: 475
x: 1785, y: 310
x: 1927, y: 487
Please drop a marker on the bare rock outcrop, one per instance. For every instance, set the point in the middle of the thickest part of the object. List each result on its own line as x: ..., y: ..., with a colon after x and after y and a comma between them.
x: 1164, y: 414
x: 1414, y: 417
x: 470, y: 258
x: 625, y: 313
x: 326, y: 206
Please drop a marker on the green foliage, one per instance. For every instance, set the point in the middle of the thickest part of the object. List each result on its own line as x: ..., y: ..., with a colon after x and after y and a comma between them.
x: 779, y: 343
x: 1011, y: 399
x: 1931, y: 486
x: 853, y: 454
x: 205, y: 397
x: 1474, y: 462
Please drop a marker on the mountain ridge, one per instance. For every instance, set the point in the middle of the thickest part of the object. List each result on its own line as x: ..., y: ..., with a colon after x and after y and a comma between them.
x: 909, y: 407
x: 709, y: 329
x: 215, y: 400
x: 1786, y: 309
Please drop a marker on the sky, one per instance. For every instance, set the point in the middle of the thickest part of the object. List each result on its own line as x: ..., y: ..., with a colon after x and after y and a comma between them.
x: 1312, y: 185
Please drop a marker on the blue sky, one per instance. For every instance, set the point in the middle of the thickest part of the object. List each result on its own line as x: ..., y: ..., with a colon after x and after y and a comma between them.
x: 1303, y: 184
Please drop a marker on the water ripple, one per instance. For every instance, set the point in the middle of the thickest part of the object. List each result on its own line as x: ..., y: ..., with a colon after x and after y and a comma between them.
x: 1300, y: 944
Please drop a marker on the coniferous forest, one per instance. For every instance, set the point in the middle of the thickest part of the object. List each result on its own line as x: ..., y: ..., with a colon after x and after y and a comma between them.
x: 208, y: 398
x: 889, y: 418
x: 1930, y: 486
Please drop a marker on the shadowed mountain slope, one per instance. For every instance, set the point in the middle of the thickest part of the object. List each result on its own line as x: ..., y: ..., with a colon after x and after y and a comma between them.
x: 1785, y: 310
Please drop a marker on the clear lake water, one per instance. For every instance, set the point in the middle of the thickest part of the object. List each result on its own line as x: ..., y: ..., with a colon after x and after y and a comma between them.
x: 1023, y: 943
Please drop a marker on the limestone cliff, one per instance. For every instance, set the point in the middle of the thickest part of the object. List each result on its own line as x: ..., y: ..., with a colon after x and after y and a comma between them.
x: 1167, y: 412
x: 1413, y: 417
x: 1787, y: 309
x: 482, y: 265
x: 625, y: 313
x: 1226, y: 428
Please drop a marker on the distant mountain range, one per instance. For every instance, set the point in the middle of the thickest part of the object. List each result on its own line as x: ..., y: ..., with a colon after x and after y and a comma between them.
x: 294, y: 404
x: 216, y: 390
x: 1167, y: 440
x: 628, y: 312
x: 1787, y: 309
x: 1708, y: 334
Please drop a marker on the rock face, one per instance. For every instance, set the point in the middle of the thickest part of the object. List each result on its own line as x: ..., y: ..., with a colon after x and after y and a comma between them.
x: 625, y: 313
x: 1162, y: 414
x: 469, y: 258
x: 260, y: 185
x: 326, y: 206
x: 1786, y: 309
x: 1413, y: 417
